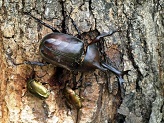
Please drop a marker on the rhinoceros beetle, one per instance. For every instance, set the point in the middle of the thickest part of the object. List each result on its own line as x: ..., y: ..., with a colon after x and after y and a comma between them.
x: 68, y: 52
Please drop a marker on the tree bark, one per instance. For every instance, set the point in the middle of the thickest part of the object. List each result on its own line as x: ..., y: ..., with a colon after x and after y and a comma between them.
x: 138, y: 47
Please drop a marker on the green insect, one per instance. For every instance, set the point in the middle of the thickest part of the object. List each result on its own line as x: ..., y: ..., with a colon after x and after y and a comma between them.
x: 72, y: 98
x: 37, y: 89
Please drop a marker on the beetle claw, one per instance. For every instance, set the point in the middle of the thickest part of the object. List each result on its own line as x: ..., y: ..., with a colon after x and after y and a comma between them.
x: 120, y: 76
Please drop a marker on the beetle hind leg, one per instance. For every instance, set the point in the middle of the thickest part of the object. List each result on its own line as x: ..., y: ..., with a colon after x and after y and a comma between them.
x: 41, y: 22
x: 74, y: 24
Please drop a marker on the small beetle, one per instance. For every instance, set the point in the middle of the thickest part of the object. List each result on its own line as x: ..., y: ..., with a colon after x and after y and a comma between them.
x: 68, y: 52
x: 37, y: 89
x: 72, y: 98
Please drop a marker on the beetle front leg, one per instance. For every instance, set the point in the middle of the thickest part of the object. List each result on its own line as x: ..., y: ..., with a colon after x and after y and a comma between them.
x: 118, y: 73
x: 97, y: 39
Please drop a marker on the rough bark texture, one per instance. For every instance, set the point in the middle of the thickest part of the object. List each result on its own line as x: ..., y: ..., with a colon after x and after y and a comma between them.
x: 137, y: 48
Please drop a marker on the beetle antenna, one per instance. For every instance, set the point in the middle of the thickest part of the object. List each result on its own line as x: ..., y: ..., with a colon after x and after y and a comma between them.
x: 97, y: 39
x: 41, y: 22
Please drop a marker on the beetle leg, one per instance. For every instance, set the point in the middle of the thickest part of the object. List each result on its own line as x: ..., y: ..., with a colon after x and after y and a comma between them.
x: 11, y: 59
x: 118, y: 73
x: 41, y: 22
x: 30, y: 63
x: 35, y: 63
x: 74, y: 79
x: 81, y: 77
x: 79, y: 82
x: 74, y: 24
x: 24, y: 94
x: 97, y: 39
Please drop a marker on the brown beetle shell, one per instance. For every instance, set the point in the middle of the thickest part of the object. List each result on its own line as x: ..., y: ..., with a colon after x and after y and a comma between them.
x: 62, y: 50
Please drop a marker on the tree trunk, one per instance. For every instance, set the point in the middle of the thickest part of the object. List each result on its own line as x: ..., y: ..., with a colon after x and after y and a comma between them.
x: 137, y: 47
